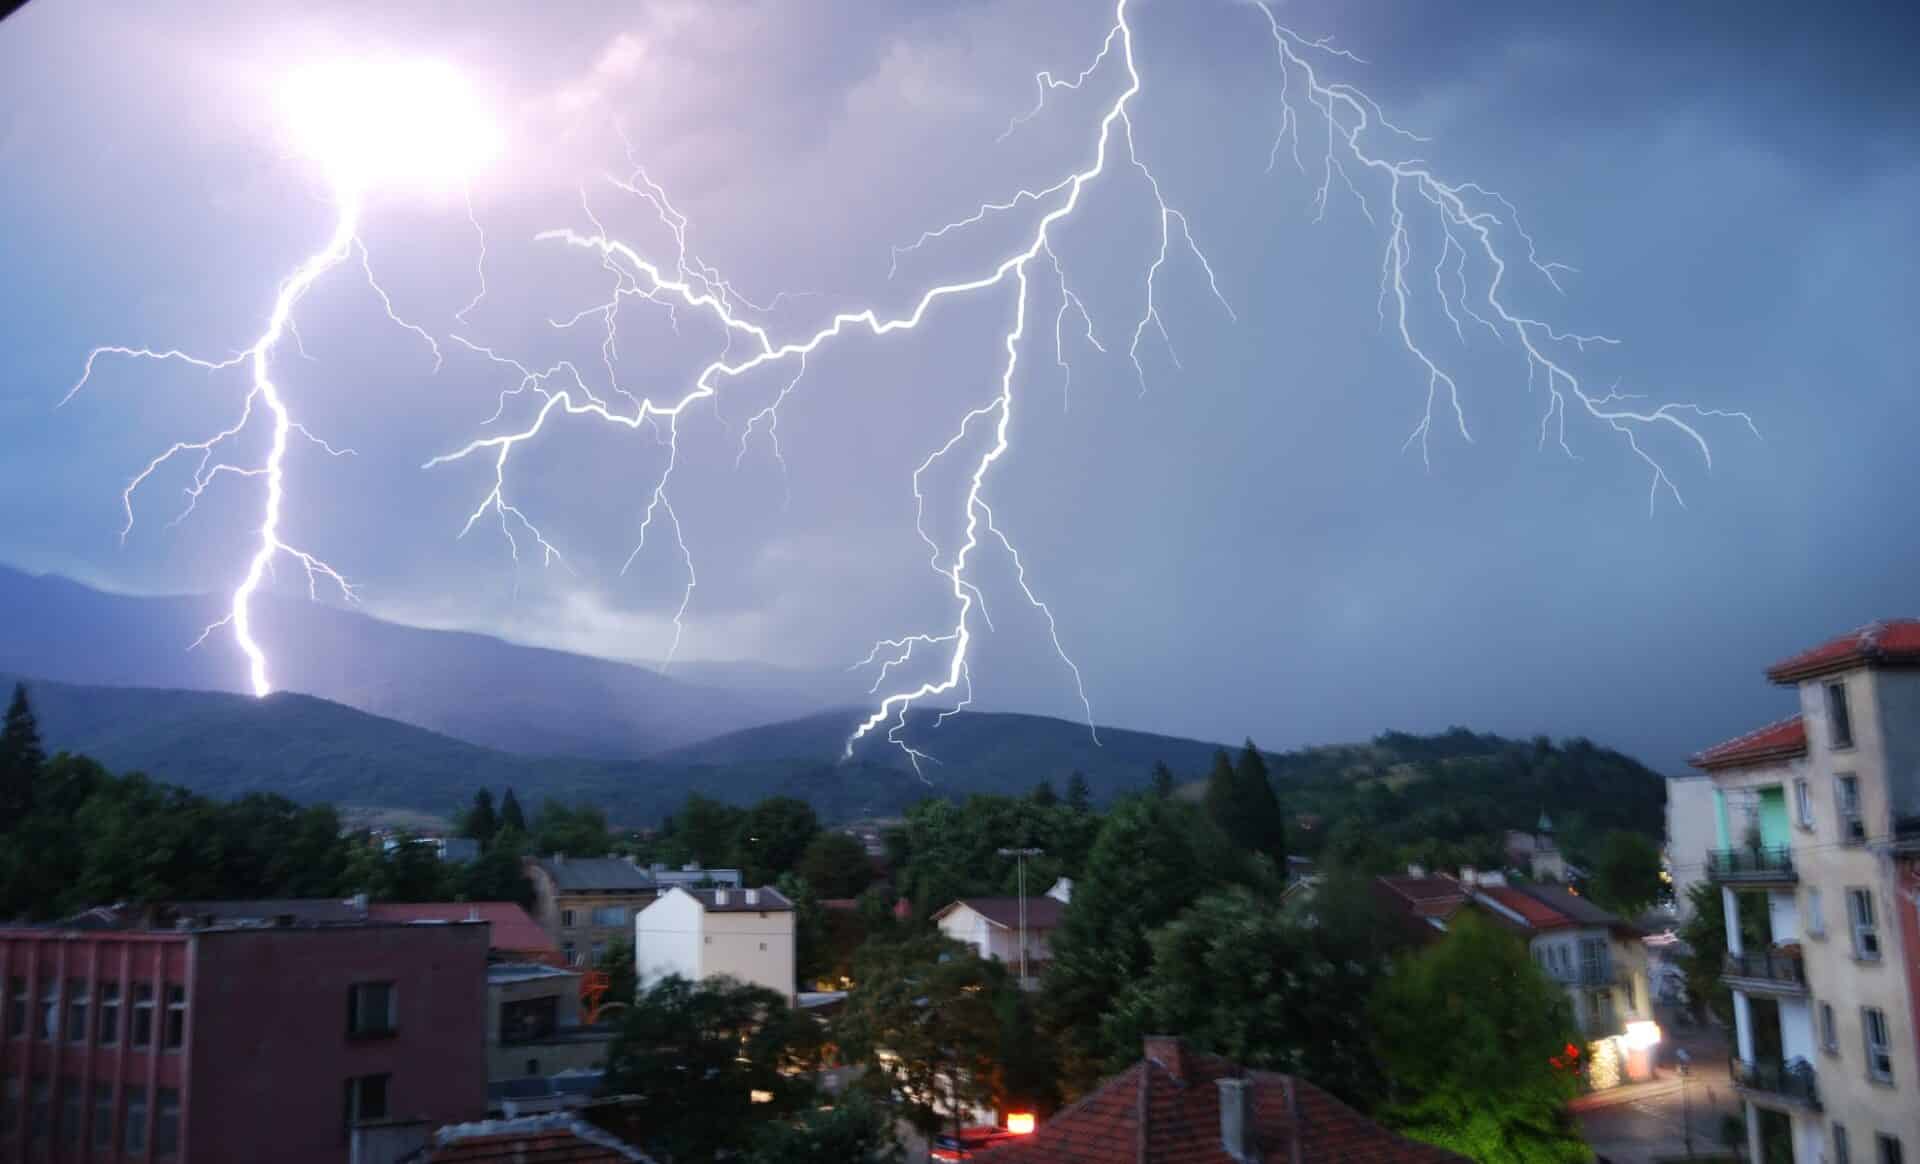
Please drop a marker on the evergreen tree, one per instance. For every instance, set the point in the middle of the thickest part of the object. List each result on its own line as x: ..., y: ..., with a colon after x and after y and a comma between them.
x: 1221, y: 801
x: 21, y: 759
x: 1162, y: 780
x: 511, y: 816
x: 1044, y: 795
x: 1079, y: 797
x: 1266, y: 824
x: 481, y: 823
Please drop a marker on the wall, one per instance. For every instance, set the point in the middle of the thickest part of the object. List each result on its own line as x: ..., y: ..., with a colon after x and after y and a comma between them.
x: 270, y: 1049
x: 1897, y: 698
x: 667, y: 938
x: 1691, y: 832
x: 733, y: 946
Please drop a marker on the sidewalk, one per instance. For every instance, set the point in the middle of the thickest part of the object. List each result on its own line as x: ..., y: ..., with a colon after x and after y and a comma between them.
x: 1626, y: 1093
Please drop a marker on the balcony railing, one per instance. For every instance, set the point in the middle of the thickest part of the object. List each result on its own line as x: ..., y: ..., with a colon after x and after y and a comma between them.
x: 1780, y: 968
x: 1793, y: 1080
x: 1763, y: 864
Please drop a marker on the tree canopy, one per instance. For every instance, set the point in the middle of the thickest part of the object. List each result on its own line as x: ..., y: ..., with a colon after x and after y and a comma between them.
x: 1626, y: 873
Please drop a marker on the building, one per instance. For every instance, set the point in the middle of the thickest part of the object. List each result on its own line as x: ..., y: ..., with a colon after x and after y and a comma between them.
x: 1813, y: 816
x: 1691, y: 835
x: 539, y: 1055
x: 746, y: 934
x: 235, y: 1031
x: 512, y: 936
x: 1537, y: 853
x: 1176, y: 1104
x: 586, y: 904
x: 992, y: 926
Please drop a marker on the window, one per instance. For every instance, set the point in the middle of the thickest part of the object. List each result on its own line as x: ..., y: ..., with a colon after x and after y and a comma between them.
x: 142, y: 1033
x: 102, y: 1117
x: 529, y: 1018
x: 49, y: 1028
x: 134, y: 1138
x: 610, y: 915
x: 1873, y: 1025
x: 1593, y: 959
x: 1842, y: 1150
x: 370, y: 1010
x: 77, y: 1000
x: 1829, y: 1037
x: 9, y: 1106
x: 16, y: 1007
x: 566, y: 917
x: 1839, y: 719
x: 367, y: 1098
x: 1889, y: 1148
x: 1803, y: 802
x: 570, y: 952
x: 41, y: 1113
x: 599, y: 952
x: 1866, y: 936
x: 109, y: 1013
x: 176, y: 1033
x: 763, y: 945
x: 166, y: 1122
x: 1846, y: 794
x: 71, y: 1102
x: 1816, y: 913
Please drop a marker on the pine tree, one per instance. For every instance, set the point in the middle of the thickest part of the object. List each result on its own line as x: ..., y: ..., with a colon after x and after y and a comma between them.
x: 481, y: 823
x: 1162, y: 780
x: 21, y: 759
x: 1266, y: 824
x: 1221, y: 801
x: 1079, y: 796
x: 1044, y: 795
x: 511, y: 817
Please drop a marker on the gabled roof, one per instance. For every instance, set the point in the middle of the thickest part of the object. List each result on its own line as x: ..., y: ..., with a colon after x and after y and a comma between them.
x: 509, y: 927
x: 543, y: 1139
x: 1781, y: 740
x: 1533, y: 913
x: 1421, y: 904
x: 1890, y: 642
x: 766, y: 900
x: 1043, y: 913
x: 587, y: 874
x: 1167, y: 1108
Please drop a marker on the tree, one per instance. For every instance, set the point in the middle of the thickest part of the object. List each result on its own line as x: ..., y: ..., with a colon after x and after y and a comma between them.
x: 511, y: 816
x: 810, y: 954
x: 498, y: 874
x: 1163, y: 783
x: 707, y: 828
x: 855, y: 1130
x: 772, y: 836
x: 1044, y: 795
x: 1480, y: 1049
x: 693, y: 1055
x: 480, y: 822
x: 623, y: 983
x: 21, y: 759
x: 1235, y: 977
x: 1266, y: 828
x: 922, y: 1021
x: 1079, y: 797
x: 1626, y: 874
x: 577, y: 832
x: 836, y: 865
x: 1705, y: 934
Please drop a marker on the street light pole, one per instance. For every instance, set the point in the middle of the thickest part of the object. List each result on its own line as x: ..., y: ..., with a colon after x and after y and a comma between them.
x: 1020, y: 858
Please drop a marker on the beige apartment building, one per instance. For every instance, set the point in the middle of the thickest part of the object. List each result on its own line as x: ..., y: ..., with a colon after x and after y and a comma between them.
x: 1811, y: 815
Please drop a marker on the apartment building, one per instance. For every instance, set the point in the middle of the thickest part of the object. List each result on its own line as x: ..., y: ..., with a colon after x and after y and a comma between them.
x: 587, y: 904
x: 235, y: 1031
x: 1816, y: 818
x: 745, y: 934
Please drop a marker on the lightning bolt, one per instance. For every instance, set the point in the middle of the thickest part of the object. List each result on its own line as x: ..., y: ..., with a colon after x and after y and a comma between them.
x: 263, y: 397
x: 1361, y: 146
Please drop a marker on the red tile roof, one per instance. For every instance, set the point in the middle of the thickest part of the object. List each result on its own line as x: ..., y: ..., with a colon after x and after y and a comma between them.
x: 1166, y: 1108
x: 1043, y: 913
x: 1537, y: 914
x: 1892, y: 642
x: 509, y: 928
x: 1780, y: 740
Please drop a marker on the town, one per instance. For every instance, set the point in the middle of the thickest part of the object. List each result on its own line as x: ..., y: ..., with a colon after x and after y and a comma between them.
x: 1200, y: 969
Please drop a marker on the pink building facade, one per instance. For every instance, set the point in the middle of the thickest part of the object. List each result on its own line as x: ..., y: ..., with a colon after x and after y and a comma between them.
x: 235, y: 1043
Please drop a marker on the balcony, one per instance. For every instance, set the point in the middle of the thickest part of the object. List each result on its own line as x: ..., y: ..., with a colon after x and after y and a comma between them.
x: 1767, y: 972
x: 1752, y: 866
x: 1792, y: 1081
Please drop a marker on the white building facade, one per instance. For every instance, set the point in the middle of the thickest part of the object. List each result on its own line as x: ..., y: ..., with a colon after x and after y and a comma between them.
x: 745, y: 934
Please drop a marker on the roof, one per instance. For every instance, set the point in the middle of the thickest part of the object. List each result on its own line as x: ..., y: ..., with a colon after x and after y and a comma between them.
x: 1780, y: 740
x: 769, y: 900
x: 586, y: 874
x: 1890, y: 642
x: 1534, y: 913
x: 1167, y: 1107
x: 1421, y: 904
x: 266, y: 911
x: 1582, y: 910
x: 1043, y: 913
x: 501, y: 973
x: 543, y: 1139
x: 509, y: 927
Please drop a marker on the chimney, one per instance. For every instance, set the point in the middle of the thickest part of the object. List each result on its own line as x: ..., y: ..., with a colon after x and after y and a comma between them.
x: 1236, y: 1119
x: 719, y: 897
x: 1169, y: 1053
x: 753, y: 897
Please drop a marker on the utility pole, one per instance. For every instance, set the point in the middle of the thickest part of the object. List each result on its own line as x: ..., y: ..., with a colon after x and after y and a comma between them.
x: 1020, y: 857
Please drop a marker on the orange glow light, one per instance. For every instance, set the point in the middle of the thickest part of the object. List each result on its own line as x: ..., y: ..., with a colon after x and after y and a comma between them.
x: 1020, y: 1123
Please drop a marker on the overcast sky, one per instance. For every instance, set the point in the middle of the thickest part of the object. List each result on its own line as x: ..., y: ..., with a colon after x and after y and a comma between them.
x: 1244, y: 548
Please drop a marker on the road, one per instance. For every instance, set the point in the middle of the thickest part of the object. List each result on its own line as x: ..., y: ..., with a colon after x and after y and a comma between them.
x: 1642, y: 1123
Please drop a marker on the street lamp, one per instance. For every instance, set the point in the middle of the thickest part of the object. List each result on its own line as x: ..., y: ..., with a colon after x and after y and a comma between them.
x: 1020, y: 857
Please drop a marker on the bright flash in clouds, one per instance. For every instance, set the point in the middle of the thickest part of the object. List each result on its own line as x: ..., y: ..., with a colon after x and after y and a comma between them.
x: 412, y: 124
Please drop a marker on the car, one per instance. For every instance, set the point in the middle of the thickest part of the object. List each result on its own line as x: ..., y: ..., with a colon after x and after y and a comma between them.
x: 968, y: 1143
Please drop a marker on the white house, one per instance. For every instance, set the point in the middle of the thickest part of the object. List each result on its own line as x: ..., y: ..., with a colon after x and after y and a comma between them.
x: 745, y: 934
x: 991, y: 925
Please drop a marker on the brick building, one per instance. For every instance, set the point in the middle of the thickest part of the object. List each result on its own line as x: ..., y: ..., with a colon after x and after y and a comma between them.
x: 245, y: 1032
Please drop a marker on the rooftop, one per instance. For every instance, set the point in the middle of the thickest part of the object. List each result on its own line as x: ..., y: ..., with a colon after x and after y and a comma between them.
x: 543, y: 1139
x: 1043, y: 913
x: 501, y: 973
x: 1781, y: 740
x: 1167, y: 1107
x: 1891, y: 642
x: 586, y: 874
x: 765, y: 899
x: 509, y: 926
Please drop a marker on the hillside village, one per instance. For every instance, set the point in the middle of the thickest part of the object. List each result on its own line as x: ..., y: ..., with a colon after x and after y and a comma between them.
x: 1428, y: 948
